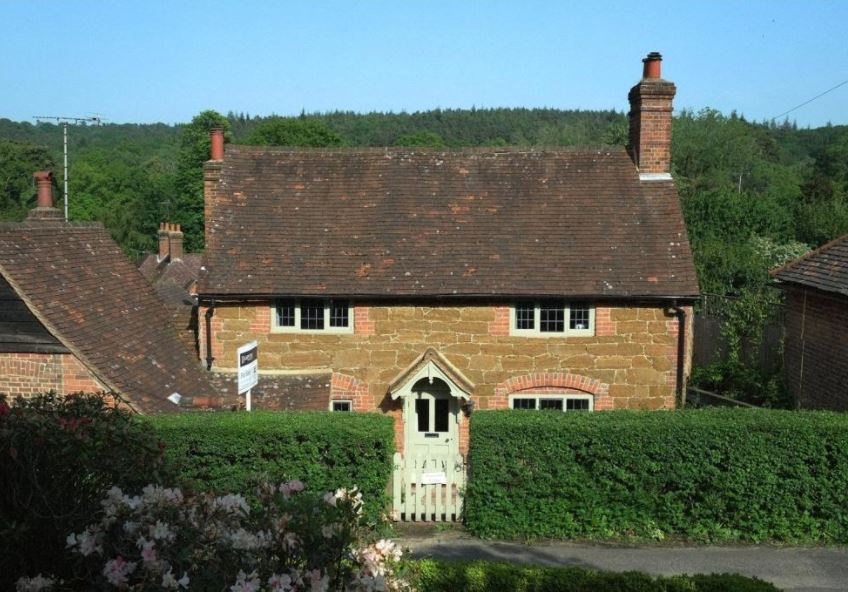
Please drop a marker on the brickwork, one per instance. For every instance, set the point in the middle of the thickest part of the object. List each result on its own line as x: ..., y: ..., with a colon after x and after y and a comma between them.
x: 650, y: 125
x: 29, y: 374
x: 816, y: 354
x: 635, y: 354
x: 344, y: 387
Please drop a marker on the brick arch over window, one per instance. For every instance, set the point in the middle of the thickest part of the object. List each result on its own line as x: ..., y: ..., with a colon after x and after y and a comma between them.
x: 552, y: 382
x: 344, y: 387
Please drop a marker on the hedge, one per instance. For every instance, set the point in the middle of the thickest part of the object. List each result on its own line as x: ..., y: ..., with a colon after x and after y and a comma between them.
x: 708, y: 475
x: 485, y: 576
x: 226, y: 452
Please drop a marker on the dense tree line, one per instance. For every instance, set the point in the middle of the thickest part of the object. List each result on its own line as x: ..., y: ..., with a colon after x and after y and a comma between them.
x: 754, y: 194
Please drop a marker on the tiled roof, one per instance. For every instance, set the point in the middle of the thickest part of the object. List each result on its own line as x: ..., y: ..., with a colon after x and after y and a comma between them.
x: 411, y: 222
x: 824, y: 269
x: 78, y: 283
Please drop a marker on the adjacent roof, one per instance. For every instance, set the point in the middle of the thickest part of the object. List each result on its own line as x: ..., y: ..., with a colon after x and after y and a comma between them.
x: 825, y: 268
x: 76, y: 281
x: 412, y: 222
x: 172, y: 278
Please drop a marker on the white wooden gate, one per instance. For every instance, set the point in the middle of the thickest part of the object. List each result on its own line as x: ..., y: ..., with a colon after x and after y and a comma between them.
x: 428, y: 489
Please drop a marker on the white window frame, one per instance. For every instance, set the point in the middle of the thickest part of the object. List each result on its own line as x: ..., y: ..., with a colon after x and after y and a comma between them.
x: 536, y: 332
x: 561, y: 396
x: 327, y: 302
x: 348, y: 401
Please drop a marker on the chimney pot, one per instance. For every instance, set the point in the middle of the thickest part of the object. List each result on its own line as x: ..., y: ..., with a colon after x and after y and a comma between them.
x: 164, y: 241
x: 44, y: 179
x: 652, y: 65
x: 217, y: 140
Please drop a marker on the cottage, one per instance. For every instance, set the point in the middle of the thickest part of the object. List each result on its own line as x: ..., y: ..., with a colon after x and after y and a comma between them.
x: 424, y: 283
x: 816, y: 324
x: 76, y: 315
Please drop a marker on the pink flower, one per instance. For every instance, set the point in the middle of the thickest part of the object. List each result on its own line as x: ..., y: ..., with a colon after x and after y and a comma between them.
x: 148, y: 553
x: 117, y: 571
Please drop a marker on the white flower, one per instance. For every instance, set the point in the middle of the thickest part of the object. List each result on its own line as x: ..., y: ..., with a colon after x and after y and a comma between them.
x: 247, y: 541
x: 116, y: 571
x: 71, y: 541
x: 330, y: 498
x: 293, y: 486
x: 161, y: 531
x: 36, y: 584
x: 170, y: 582
x: 130, y: 527
x: 318, y: 581
x: 243, y: 584
x: 280, y: 583
x: 328, y: 530
x: 232, y: 504
x: 86, y: 542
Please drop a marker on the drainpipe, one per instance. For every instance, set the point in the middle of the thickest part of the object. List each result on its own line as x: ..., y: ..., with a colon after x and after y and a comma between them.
x: 680, y: 313
x: 209, y: 312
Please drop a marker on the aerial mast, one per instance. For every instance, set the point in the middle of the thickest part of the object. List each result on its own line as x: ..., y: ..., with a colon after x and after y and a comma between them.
x: 65, y: 121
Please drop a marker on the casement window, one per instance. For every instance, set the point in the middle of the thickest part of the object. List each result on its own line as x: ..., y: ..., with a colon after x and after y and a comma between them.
x: 341, y: 406
x: 551, y: 318
x: 552, y: 402
x: 312, y: 315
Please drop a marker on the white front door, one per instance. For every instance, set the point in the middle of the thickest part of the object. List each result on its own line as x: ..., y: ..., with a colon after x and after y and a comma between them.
x: 431, y: 421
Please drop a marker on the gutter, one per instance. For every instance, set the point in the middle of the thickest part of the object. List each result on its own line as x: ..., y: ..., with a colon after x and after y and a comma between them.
x: 209, y: 312
x: 673, y: 300
x: 680, y: 313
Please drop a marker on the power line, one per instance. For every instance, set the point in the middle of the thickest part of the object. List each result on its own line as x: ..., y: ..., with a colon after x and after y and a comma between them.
x: 843, y: 83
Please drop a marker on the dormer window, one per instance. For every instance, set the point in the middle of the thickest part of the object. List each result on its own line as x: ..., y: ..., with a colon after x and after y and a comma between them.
x: 312, y: 315
x: 552, y: 318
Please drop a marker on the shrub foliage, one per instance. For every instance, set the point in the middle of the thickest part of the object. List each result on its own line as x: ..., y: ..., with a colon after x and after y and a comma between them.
x: 222, y: 452
x: 711, y: 475
x: 58, y: 456
x: 486, y: 576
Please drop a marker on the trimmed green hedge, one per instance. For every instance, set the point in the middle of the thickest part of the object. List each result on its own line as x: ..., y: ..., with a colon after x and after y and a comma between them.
x: 225, y: 451
x: 711, y: 475
x: 485, y: 576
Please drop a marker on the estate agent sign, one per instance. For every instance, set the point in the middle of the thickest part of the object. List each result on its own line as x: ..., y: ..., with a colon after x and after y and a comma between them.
x: 248, y: 369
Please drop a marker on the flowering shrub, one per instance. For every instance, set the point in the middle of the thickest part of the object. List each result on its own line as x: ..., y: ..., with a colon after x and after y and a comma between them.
x: 285, y: 540
x: 58, y: 456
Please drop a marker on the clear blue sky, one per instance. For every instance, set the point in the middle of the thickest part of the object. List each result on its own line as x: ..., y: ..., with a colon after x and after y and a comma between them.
x: 155, y: 60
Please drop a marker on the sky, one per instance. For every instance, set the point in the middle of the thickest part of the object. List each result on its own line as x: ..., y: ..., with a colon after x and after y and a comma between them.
x: 165, y: 61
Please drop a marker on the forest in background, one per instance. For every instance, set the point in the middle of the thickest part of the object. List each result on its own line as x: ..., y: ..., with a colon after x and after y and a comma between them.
x: 754, y: 195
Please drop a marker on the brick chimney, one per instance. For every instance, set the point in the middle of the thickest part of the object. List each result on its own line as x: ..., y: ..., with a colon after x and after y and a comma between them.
x: 216, y: 151
x: 212, y: 170
x: 170, y: 241
x: 650, y: 121
x: 44, y: 210
x: 176, y: 240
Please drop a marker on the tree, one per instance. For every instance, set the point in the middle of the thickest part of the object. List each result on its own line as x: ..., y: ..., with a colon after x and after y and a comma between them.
x: 422, y: 138
x: 194, y: 151
x: 286, y: 131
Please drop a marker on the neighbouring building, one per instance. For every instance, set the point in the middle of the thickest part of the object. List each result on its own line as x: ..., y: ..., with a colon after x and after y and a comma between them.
x: 816, y: 323
x: 76, y: 315
x: 424, y: 283
x: 174, y: 274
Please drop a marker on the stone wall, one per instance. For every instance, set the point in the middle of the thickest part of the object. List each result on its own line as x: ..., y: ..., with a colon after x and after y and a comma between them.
x: 25, y: 374
x: 631, y: 360
x: 815, y: 354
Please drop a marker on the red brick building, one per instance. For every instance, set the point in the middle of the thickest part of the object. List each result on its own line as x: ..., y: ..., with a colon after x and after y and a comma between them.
x: 76, y: 315
x: 816, y: 323
x: 422, y: 282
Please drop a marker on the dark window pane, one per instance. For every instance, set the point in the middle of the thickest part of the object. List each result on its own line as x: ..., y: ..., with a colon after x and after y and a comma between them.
x: 552, y: 318
x: 524, y: 316
x: 550, y: 404
x: 285, y: 313
x: 422, y: 410
x: 341, y: 405
x: 577, y: 404
x: 579, y: 318
x: 339, y: 313
x: 524, y: 403
x: 311, y: 314
x: 442, y: 415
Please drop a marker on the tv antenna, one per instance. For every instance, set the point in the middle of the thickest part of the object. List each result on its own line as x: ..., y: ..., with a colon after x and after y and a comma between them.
x: 96, y: 120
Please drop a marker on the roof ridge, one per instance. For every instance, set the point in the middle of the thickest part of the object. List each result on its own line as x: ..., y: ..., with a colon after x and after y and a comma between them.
x: 794, y: 262
x: 427, y: 149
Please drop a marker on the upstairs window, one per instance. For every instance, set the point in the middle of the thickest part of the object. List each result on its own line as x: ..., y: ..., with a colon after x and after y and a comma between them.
x: 312, y: 315
x: 551, y: 318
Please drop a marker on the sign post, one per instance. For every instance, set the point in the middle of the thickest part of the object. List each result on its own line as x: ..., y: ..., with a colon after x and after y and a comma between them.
x: 248, y: 370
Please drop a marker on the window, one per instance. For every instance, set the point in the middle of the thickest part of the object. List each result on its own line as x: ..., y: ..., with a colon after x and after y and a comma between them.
x: 552, y: 402
x: 552, y: 317
x: 312, y: 315
x: 342, y: 406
